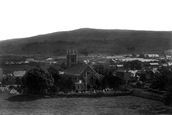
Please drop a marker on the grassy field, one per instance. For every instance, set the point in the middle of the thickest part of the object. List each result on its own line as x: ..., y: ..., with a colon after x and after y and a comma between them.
x: 121, y: 105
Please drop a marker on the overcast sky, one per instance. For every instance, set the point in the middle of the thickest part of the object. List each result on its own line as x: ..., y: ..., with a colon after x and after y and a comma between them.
x: 24, y: 18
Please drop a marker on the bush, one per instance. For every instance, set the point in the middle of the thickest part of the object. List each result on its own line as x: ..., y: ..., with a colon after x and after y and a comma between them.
x: 53, y: 89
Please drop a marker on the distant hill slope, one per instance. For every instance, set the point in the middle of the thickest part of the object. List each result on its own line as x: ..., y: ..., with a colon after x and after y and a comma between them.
x: 91, y: 41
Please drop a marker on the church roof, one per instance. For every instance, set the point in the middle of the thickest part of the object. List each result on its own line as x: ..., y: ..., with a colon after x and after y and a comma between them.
x: 76, y: 70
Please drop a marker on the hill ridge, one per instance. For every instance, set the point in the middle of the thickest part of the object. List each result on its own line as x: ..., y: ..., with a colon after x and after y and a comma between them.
x: 108, y: 41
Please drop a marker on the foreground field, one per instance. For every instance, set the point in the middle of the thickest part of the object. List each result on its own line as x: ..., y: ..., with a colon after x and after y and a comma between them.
x: 121, y: 105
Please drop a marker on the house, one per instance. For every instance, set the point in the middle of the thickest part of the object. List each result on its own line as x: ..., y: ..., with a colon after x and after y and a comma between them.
x: 169, y: 63
x: 8, y: 79
x: 154, y: 65
x: 147, y: 75
x: 168, y: 56
x: 15, y: 78
x: 51, y: 61
x: 141, y: 75
x: 82, y: 75
x: 133, y: 73
x: 150, y: 74
x: 150, y: 65
x: 119, y: 66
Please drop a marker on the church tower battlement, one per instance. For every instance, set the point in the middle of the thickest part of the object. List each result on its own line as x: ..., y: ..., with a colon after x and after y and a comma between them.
x: 72, y: 58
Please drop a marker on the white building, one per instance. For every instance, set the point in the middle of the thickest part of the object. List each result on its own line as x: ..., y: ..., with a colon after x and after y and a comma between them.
x: 19, y: 74
x: 30, y: 59
x: 152, y: 55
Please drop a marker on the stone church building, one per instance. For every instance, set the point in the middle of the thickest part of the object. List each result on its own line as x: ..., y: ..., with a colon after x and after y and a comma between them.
x: 84, y: 76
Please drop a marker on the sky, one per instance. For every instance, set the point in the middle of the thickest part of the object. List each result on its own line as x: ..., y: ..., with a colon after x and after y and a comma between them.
x: 25, y: 18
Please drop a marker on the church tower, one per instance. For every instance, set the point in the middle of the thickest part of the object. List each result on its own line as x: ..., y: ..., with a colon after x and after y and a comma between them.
x: 72, y: 58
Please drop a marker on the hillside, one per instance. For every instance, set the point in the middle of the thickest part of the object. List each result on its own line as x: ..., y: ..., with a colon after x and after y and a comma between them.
x: 91, y: 41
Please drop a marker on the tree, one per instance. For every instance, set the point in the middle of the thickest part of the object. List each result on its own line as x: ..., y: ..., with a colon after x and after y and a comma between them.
x: 66, y: 84
x: 163, y: 79
x: 17, y: 81
x: 63, y: 66
x: 37, y: 81
x: 109, y: 80
x: 100, y: 69
x: 133, y: 65
x: 55, y: 75
x: 114, y: 81
x: 168, y: 97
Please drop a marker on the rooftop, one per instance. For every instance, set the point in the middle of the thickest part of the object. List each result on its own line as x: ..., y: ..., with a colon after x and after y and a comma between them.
x: 19, y: 73
x: 76, y: 70
x: 139, y: 59
x: 154, y: 63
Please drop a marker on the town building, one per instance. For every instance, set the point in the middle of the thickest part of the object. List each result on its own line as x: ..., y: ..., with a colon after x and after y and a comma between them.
x: 151, y: 65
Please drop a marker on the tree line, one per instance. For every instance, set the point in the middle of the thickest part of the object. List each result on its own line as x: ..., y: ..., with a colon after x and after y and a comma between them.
x: 42, y: 81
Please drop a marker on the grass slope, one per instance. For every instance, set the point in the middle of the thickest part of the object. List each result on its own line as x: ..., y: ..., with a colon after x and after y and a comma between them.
x: 23, y: 104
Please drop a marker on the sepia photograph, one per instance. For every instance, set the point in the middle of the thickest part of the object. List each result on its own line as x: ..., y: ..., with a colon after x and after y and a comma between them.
x: 85, y: 57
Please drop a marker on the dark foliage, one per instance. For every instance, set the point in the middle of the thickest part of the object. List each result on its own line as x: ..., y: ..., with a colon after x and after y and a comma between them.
x: 168, y: 98
x: 37, y: 81
x: 53, y: 89
x: 133, y: 65
x: 18, y: 81
x: 163, y: 81
x: 101, y: 69
x: 55, y: 75
x: 114, y: 81
x: 109, y: 80
x: 66, y: 84
x: 63, y: 66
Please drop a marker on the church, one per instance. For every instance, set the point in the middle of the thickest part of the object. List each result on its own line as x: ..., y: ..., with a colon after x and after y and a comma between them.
x: 84, y: 76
